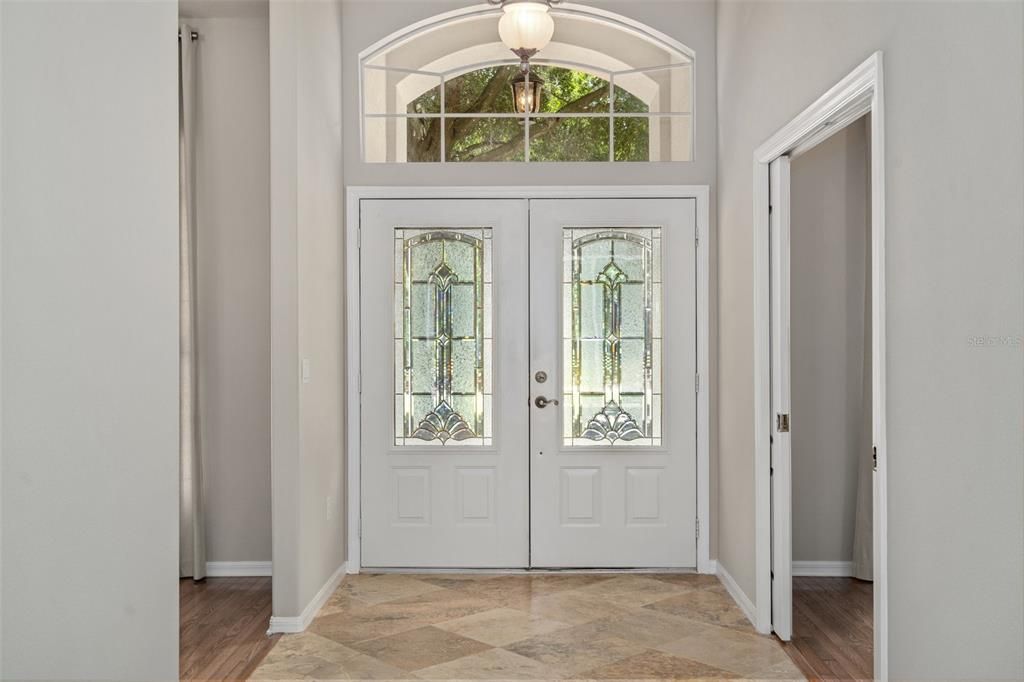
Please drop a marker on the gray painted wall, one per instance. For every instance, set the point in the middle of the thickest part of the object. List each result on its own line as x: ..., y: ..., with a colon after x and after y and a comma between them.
x: 955, y: 206
x: 831, y: 233
x: 90, y: 340
x: 233, y: 246
x: 306, y: 300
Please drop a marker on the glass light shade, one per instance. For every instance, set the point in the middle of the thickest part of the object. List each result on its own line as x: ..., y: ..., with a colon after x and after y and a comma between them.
x: 526, y: 26
x: 527, y: 99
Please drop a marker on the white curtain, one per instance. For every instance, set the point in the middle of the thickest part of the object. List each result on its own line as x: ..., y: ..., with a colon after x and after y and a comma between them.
x: 863, y: 547
x: 192, y: 533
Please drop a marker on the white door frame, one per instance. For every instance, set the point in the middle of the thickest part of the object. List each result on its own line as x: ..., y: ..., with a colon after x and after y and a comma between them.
x: 354, y: 195
x: 858, y: 94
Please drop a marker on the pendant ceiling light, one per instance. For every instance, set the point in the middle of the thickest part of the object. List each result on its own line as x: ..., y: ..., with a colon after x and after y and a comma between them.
x: 526, y: 93
x: 526, y: 27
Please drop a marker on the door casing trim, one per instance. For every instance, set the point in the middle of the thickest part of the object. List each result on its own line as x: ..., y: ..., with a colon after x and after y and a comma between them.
x: 353, y: 356
x: 861, y: 92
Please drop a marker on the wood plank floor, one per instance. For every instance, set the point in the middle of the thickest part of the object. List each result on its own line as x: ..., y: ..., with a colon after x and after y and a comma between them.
x: 223, y: 627
x: 833, y: 633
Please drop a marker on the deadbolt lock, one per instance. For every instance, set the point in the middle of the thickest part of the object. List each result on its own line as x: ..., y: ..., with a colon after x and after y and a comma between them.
x: 541, y: 377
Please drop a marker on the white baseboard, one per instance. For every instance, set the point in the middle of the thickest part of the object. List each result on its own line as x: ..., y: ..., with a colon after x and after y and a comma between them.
x: 238, y: 569
x: 293, y: 624
x: 823, y: 569
x: 709, y: 567
x: 738, y: 595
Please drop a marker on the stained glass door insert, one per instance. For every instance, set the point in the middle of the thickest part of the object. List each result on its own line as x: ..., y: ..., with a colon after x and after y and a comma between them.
x: 442, y: 336
x: 612, y: 336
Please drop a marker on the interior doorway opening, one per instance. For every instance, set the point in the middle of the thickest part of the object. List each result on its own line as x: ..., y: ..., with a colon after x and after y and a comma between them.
x: 830, y: 404
x: 857, y: 95
x: 225, y: 550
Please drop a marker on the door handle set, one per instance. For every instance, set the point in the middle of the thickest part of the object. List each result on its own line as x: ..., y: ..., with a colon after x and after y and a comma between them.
x: 541, y: 401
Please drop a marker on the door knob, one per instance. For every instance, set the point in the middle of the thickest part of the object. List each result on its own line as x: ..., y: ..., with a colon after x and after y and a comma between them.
x: 543, y: 402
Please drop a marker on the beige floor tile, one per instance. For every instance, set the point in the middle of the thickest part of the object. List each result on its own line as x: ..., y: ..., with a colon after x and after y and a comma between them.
x: 502, y: 626
x: 568, y: 652
x: 745, y: 654
x: 641, y: 626
x: 549, y: 583
x: 634, y: 590
x: 519, y: 590
x: 656, y: 665
x: 453, y: 581
x: 359, y: 668
x: 340, y: 603
x: 290, y: 668
x: 310, y: 656
x: 547, y: 626
x: 494, y: 664
x: 440, y: 606
x: 309, y: 644
x: 709, y: 606
x: 694, y: 580
x: 365, y: 623
x: 384, y: 587
x: 420, y: 648
x: 573, y: 607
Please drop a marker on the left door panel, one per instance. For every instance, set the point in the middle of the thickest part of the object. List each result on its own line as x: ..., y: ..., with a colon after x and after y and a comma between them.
x: 444, y: 333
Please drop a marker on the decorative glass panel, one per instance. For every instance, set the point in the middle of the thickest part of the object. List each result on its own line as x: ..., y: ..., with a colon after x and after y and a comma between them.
x: 442, y: 336
x: 457, y: 85
x: 612, y: 328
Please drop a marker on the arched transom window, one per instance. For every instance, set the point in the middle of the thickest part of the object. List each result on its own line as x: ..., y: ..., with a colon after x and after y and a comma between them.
x: 609, y: 89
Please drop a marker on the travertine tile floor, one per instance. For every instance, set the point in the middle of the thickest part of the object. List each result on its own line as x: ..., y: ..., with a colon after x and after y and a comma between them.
x: 529, y: 627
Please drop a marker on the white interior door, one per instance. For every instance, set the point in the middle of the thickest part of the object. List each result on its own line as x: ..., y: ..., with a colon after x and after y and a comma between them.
x: 613, y: 348
x: 444, y: 415
x: 781, y: 465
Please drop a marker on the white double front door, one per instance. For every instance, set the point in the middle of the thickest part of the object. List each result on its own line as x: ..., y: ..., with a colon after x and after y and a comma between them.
x: 528, y: 383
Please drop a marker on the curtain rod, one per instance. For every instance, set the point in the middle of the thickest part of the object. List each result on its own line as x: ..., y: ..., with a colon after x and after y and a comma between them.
x: 193, y: 34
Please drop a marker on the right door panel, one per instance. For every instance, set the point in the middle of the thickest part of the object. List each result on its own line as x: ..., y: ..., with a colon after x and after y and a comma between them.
x: 613, y: 330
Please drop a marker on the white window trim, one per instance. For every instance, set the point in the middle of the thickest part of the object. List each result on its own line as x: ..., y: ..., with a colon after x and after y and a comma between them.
x: 620, y: 22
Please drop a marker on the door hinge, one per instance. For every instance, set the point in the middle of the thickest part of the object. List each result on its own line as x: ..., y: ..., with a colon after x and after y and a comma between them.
x: 359, y: 237
x: 698, y: 528
x: 782, y: 423
x: 874, y: 458
x: 360, y: 531
x: 696, y: 237
x: 696, y: 386
x: 771, y: 209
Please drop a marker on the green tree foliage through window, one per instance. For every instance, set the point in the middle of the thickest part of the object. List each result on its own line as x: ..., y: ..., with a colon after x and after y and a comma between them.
x: 489, y: 91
